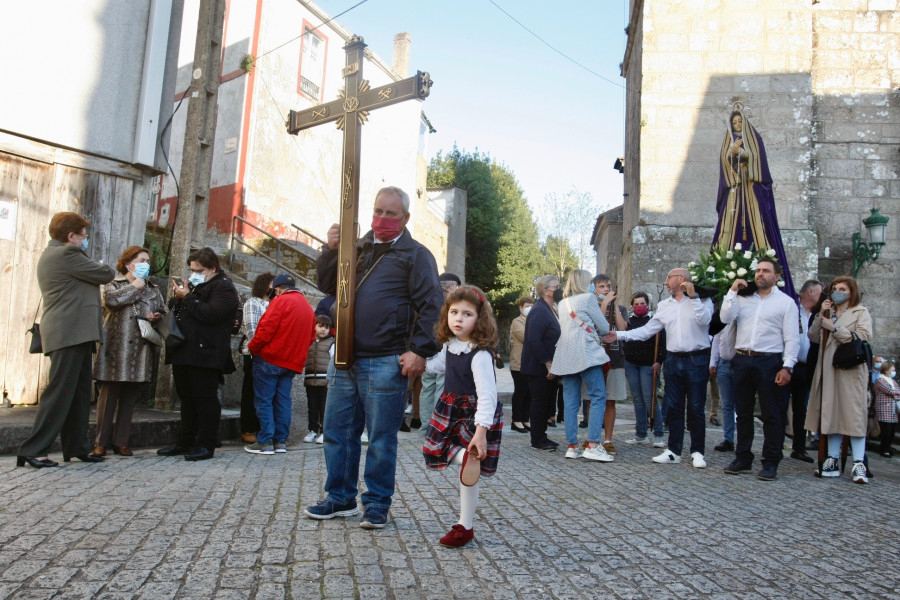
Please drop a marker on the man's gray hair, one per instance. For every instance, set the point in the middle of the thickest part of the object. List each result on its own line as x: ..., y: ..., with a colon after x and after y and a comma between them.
x: 404, y: 197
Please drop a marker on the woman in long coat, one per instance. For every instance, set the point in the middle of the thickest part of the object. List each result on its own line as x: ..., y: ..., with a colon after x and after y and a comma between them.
x: 125, y: 359
x: 838, y: 396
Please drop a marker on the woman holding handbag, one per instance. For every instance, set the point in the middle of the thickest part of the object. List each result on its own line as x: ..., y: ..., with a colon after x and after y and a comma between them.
x: 203, y: 308
x: 126, y: 357
x: 838, y: 399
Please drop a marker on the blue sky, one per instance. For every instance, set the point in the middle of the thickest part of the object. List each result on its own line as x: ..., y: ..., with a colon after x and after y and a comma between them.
x: 501, y: 90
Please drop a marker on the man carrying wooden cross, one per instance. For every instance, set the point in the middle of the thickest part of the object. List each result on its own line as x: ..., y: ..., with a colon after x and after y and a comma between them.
x: 397, y: 279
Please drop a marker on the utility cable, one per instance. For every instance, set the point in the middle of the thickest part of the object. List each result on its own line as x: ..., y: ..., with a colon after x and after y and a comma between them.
x: 162, y: 134
x: 310, y: 30
x: 552, y: 47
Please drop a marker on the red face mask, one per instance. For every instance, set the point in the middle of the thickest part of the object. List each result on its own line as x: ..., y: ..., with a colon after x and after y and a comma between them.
x: 641, y: 310
x: 385, y: 228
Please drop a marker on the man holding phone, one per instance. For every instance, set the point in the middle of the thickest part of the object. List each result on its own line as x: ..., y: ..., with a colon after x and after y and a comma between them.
x: 685, y: 317
x: 766, y: 346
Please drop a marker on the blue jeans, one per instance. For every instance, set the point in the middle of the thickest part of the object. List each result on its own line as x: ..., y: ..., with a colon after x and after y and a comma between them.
x: 686, y: 377
x: 272, y: 400
x: 371, y: 394
x: 596, y: 390
x: 724, y: 374
x: 640, y: 384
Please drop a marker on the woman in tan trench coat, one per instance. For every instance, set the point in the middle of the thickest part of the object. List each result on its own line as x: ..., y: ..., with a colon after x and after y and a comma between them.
x: 839, y: 395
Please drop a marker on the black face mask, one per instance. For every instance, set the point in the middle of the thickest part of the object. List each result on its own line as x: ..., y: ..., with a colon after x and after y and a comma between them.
x: 271, y: 294
x: 557, y: 295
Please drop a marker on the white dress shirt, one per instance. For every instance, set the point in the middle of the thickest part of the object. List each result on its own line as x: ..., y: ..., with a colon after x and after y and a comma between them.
x: 767, y: 324
x: 804, y: 335
x: 686, y: 323
x: 482, y: 372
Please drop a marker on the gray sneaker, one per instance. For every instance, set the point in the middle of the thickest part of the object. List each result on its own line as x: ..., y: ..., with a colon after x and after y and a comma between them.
x: 258, y: 448
x: 280, y: 447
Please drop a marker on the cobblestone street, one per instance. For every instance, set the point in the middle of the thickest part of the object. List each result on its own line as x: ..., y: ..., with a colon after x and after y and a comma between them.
x: 233, y: 527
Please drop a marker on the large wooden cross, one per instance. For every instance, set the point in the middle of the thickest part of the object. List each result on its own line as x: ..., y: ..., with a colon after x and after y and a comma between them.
x: 350, y: 111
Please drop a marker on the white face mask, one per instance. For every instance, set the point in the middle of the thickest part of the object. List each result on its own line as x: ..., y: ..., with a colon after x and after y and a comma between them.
x: 892, y: 374
x: 197, y: 278
x: 526, y: 310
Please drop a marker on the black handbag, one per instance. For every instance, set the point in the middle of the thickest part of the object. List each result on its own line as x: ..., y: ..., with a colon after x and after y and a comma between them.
x: 35, y: 347
x: 168, y: 328
x: 852, y: 354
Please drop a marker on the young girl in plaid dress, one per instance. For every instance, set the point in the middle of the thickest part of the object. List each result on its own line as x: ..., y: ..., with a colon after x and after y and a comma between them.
x: 467, y: 420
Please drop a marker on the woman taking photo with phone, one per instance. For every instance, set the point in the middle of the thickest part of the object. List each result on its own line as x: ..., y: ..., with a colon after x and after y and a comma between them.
x: 204, y: 309
x: 125, y: 359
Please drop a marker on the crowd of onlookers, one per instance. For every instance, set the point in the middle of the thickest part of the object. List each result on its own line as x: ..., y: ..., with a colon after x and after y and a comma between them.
x: 759, y: 351
x: 574, y: 352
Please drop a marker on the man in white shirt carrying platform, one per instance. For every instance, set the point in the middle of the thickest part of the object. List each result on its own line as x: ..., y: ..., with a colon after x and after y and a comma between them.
x: 766, y: 345
x: 685, y: 317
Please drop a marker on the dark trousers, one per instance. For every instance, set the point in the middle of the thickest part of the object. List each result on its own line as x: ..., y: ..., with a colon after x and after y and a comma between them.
x: 543, y: 403
x: 249, y: 422
x: 115, y: 409
x: 887, y: 435
x: 197, y: 389
x: 686, y: 378
x: 65, y: 405
x: 315, y: 397
x: 798, y: 390
x: 754, y: 375
x: 521, y: 400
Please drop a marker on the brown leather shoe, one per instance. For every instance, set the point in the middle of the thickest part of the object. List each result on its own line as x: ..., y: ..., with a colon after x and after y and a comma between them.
x: 122, y: 451
x: 249, y: 438
x: 99, y: 451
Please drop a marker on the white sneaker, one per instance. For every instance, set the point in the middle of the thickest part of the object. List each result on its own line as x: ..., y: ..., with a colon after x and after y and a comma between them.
x: 573, y: 452
x: 320, y: 439
x: 658, y: 442
x: 699, y: 462
x: 667, y: 457
x: 859, y: 473
x: 364, y: 438
x: 597, y: 453
x: 310, y: 437
x: 636, y: 440
x: 830, y: 468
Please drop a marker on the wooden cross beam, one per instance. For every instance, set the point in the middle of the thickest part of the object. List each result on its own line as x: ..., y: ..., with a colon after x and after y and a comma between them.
x: 351, y: 110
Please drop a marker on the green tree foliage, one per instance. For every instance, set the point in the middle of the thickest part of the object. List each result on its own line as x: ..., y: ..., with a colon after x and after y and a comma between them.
x: 559, y: 257
x: 502, y: 252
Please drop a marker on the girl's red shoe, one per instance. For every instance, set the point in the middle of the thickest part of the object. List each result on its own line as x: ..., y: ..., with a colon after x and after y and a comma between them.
x: 458, y: 536
x: 471, y: 469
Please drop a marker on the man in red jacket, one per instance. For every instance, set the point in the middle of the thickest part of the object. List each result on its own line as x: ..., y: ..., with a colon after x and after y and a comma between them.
x: 279, y: 348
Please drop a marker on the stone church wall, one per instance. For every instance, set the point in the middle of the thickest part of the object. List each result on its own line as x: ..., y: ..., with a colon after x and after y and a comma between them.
x: 821, y: 84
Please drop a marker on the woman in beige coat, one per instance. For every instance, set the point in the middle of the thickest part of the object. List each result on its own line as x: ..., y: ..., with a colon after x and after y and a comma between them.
x: 125, y: 359
x: 839, y: 395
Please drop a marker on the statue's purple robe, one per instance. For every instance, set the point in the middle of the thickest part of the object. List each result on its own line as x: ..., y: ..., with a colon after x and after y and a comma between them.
x: 745, y: 204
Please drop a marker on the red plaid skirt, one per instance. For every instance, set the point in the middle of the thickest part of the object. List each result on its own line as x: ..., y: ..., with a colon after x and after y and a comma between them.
x: 452, y: 427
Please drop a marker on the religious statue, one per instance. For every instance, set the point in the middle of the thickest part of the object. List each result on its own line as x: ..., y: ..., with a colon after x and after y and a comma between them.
x: 745, y: 203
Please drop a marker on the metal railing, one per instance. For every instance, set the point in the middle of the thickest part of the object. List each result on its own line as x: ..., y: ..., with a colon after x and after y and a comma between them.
x: 278, y: 245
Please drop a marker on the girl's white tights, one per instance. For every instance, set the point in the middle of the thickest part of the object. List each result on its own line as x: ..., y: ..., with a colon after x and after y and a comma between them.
x: 468, y: 496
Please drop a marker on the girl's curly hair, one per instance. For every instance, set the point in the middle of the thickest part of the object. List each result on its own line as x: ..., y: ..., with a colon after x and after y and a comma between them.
x: 484, y: 336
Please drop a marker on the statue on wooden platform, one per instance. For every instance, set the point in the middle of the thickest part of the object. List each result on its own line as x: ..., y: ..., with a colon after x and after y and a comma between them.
x: 745, y: 203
